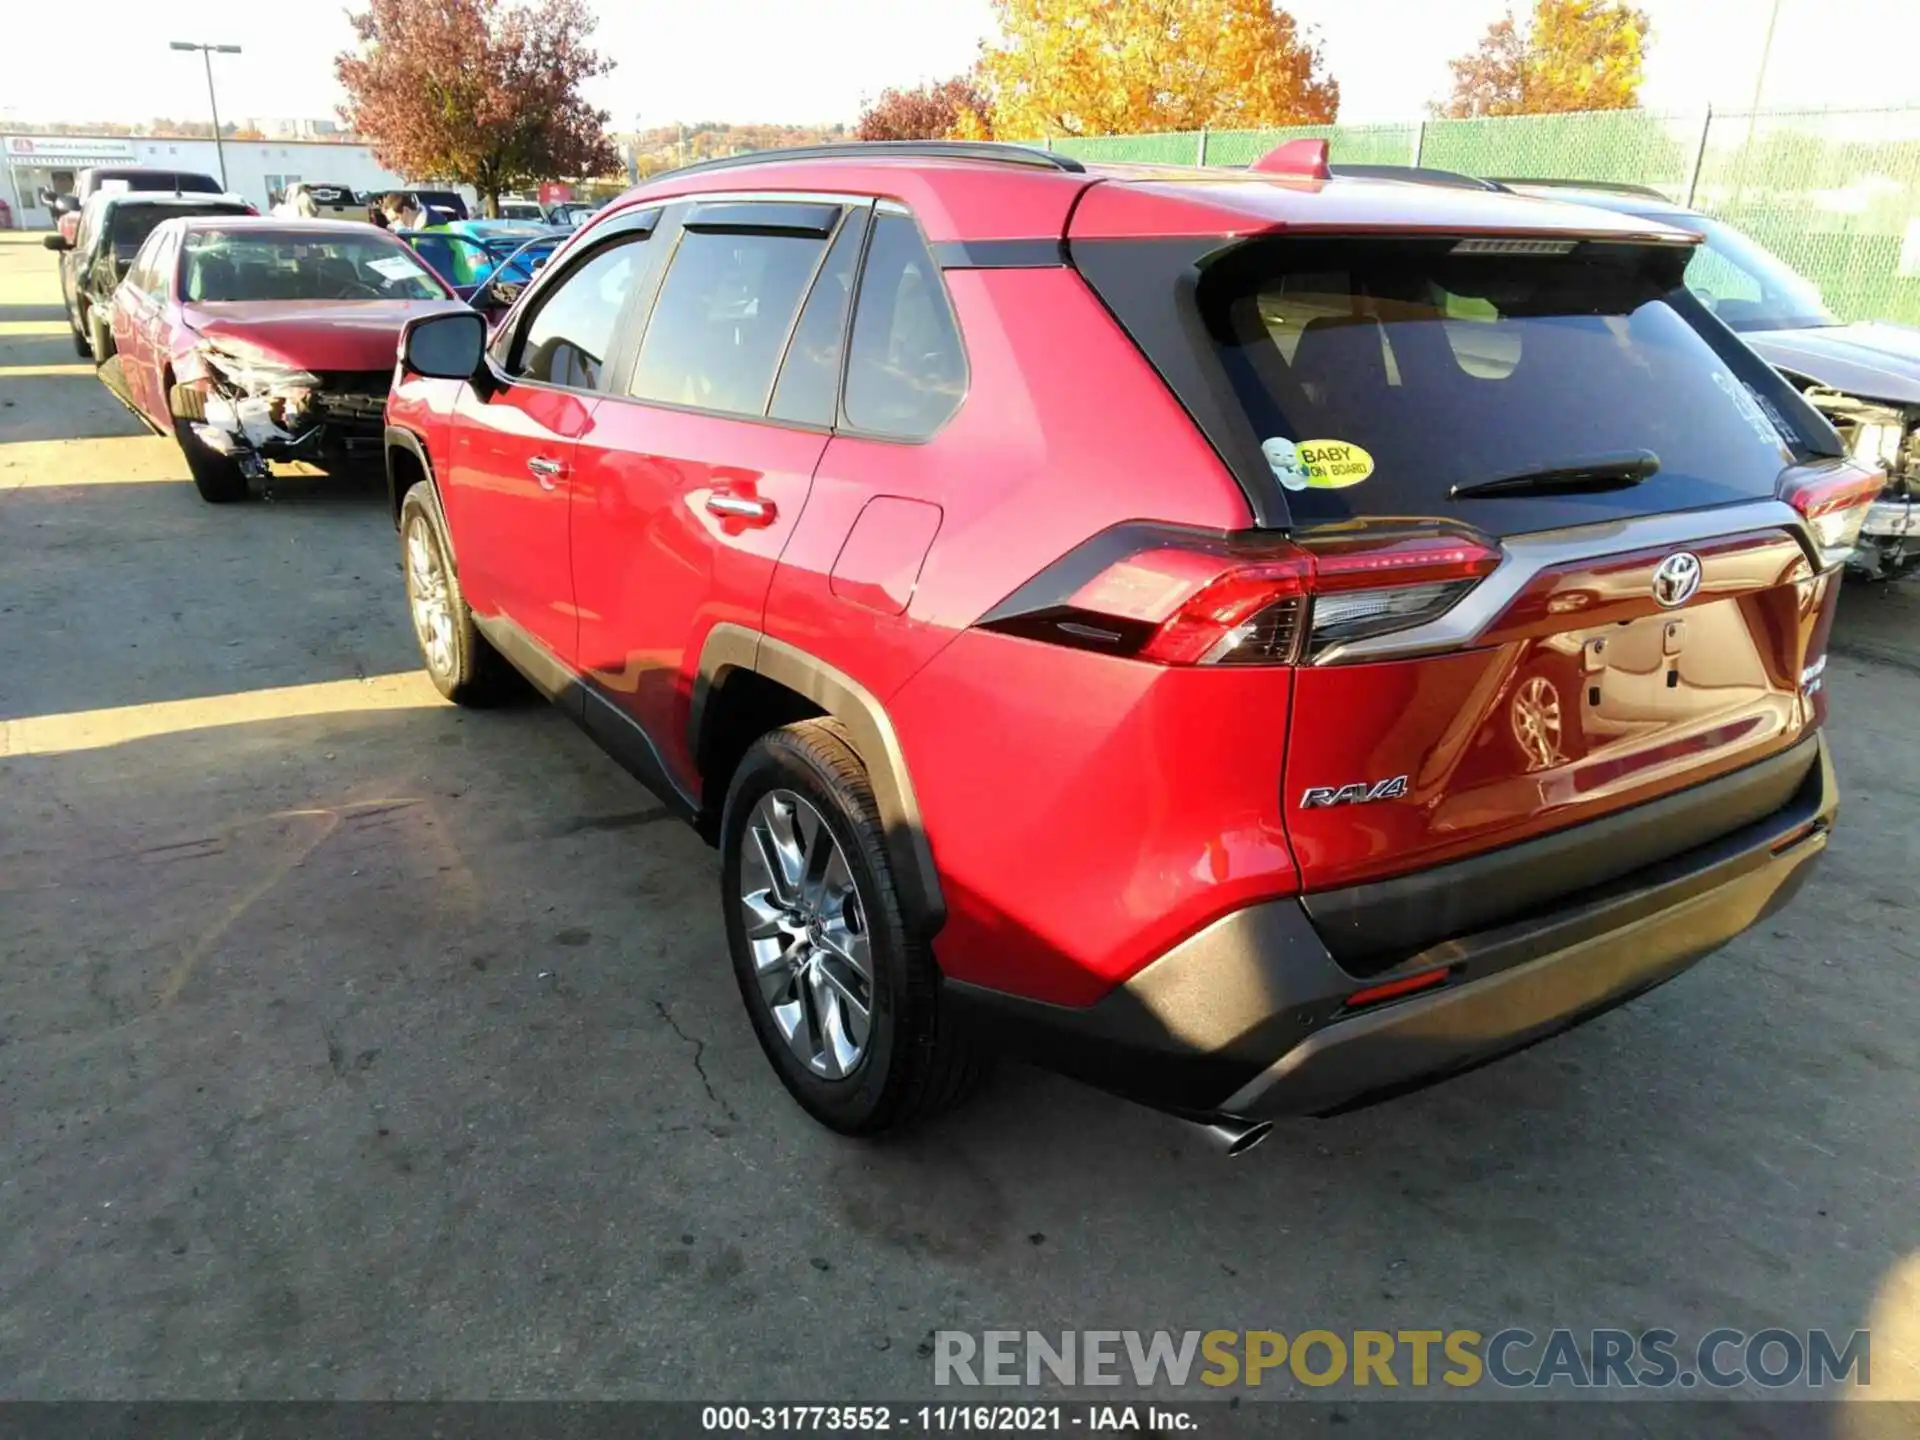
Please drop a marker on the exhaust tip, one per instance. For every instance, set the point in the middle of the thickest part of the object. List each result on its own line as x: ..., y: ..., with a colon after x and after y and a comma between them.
x: 1234, y: 1135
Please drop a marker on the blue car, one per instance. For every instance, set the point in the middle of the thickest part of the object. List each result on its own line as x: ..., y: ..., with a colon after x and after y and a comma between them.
x: 499, y: 255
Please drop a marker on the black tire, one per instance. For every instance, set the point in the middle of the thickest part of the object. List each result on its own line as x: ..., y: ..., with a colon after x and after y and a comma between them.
x: 82, y: 346
x: 217, y: 477
x: 469, y: 671
x: 99, y: 339
x: 917, y: 1060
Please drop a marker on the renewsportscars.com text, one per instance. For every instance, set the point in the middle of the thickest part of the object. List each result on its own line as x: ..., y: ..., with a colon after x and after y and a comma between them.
x: 1461, y: 1359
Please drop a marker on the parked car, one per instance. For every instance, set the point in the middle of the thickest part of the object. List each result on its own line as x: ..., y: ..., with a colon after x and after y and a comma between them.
x: 100, y: 178
x: 572, y: 214
x: 334, y: 202
x: 315, y: 200
x: 1096, y: 611
x: 448, y: 203
x: 109, y: 178
x: 257, y: 340
x: 114, y: 224
x: 496, y: 268
x: 465, y: 253
x: 1864, y: 377
x: 514, y: 208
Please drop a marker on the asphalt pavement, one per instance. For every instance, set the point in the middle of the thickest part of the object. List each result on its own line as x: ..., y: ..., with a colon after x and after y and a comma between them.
x: 354, y: 1046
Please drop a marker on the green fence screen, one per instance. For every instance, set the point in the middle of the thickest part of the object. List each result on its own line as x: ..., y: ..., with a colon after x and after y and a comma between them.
x: 1834, y: 193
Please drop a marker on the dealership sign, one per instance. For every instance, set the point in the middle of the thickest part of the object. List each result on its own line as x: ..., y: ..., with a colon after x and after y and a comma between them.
x: 59, y: 150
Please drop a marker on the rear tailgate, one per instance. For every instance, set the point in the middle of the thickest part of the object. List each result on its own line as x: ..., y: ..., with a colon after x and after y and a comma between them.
x: 1657, y: 613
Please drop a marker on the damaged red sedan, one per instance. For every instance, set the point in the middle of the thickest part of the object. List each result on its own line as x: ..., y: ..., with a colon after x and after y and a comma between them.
x: 253, y: 341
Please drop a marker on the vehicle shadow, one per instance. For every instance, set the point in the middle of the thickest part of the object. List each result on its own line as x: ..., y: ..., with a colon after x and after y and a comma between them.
x: 446, y: 992
x: 359, y: 487
x: 160, y: 596
x: 18, y: 352
x: 60, y: 407
x: 53, y: 314
x: 1879, y: 622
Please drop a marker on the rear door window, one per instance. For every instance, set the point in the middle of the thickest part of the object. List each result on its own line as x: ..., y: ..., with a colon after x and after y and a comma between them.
x: 723, y: 318
x: 1379, y: 376
x: 810, y: 375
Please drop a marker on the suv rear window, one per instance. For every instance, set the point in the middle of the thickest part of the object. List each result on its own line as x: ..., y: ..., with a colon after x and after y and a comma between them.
x: 1379, y: 375
x: 133, y: 223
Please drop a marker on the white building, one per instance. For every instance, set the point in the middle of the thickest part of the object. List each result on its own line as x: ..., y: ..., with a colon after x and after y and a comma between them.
x: 254, y: 168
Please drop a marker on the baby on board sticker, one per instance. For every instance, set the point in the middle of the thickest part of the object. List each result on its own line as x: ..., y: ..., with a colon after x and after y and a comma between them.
x: 1316, y: 464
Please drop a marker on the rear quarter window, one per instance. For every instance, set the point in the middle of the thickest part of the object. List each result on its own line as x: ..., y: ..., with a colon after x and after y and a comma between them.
x: 906, y: 370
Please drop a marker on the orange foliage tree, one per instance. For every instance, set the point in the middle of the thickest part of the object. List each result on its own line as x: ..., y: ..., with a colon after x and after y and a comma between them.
x: 926, y: 112
x: 484, y: 92
x: 1573, y: 55
x: 1115, y: 67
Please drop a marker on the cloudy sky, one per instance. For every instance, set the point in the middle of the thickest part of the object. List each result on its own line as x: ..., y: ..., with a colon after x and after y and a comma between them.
x: 814, y: 60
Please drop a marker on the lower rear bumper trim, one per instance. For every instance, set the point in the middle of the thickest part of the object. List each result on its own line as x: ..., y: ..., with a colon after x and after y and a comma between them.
x: 1247, y: 1017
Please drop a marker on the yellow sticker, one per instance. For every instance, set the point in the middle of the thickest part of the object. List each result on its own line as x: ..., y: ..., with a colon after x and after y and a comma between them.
x: 1317, y: 464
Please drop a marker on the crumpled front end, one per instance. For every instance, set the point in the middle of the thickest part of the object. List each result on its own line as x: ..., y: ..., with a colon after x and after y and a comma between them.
x: 257, y: 407
x: 1884, y: 436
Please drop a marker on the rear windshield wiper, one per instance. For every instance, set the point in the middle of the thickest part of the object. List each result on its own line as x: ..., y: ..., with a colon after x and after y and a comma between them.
x: 1620, y: 470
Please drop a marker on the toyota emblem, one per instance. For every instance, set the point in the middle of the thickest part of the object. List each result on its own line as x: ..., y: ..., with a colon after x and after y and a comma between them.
x: 1677, y: 577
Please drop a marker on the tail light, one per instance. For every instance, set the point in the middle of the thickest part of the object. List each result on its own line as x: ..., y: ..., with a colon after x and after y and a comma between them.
x: 1834, y: 504
x: 1179, y: 597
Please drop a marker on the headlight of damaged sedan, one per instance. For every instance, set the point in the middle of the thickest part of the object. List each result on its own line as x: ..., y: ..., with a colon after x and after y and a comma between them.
x: 255, y: 396
x: 1877, y: 442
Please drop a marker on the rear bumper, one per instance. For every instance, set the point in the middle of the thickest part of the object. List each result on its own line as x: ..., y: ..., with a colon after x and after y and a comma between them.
x: 1249, y: 1016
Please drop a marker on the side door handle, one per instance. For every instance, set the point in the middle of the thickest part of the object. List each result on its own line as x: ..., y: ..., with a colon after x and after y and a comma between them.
x: 740, y: 507
x: 546, y: 470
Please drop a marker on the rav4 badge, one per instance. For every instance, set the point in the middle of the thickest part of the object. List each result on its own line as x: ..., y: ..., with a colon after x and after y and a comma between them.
x: 1319, y: 797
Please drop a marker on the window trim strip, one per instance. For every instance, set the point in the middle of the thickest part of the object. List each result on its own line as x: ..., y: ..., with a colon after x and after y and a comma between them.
x: 1035, y: 254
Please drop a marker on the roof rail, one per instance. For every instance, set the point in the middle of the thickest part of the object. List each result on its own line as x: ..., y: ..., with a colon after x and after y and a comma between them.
x: 1615, y: 187
x: 1416, y: 174
x: 993, y: 152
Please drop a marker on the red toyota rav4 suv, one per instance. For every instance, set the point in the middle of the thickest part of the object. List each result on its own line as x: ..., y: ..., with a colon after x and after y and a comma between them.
x: 1253, y: 640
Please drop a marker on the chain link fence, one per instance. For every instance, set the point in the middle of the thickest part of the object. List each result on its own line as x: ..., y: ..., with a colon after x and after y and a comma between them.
x: 1834, y: 193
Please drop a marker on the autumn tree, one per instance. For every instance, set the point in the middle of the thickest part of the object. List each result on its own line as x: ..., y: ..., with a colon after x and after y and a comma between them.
x: 477, y: 91
x: 1572, y: 55
x: 1111, y: 67
x: 926, y: 112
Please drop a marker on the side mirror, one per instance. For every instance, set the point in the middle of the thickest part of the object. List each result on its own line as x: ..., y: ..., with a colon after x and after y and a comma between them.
x: 67, y: 204
x: 445, y: 347
x: 55, y: 241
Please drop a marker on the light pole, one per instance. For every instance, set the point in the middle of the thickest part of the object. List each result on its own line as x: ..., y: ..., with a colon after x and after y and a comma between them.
x: 1753, y: 110
x: 206, y: 54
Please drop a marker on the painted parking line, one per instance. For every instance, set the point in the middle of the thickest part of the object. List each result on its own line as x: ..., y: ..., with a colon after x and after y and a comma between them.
x: 104, y: 460
x: 94, y: 729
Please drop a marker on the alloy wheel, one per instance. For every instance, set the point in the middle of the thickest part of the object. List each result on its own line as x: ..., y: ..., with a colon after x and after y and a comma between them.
x: 429, y: 597
x: 1536, y: 722
x: 807, y: 928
